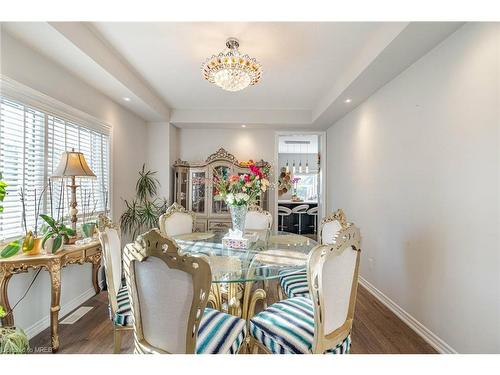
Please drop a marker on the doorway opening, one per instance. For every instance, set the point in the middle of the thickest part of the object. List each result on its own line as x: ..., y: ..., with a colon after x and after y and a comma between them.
x: 299, y: 203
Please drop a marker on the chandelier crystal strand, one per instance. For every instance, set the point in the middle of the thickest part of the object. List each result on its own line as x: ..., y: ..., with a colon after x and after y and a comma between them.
x: 230, y: 70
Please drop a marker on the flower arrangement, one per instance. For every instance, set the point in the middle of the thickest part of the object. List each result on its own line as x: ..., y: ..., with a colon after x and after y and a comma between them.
x: 241, y: 190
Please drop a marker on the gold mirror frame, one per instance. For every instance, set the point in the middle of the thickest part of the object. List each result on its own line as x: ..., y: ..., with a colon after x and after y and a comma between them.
x: 154, y: 244
x: 348, y: 238
x: 171, y: 210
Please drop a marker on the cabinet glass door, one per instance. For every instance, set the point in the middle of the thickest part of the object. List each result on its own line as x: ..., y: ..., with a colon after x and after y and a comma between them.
x: 198, y: 189
x: 218, y: 205
x: 182, y: 188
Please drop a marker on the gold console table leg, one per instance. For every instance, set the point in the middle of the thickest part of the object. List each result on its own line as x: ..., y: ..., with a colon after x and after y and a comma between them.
x: 55, y: 278
x: 4, y: 298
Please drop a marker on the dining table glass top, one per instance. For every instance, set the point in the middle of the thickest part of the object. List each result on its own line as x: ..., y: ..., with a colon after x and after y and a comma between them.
x: 272, y: 255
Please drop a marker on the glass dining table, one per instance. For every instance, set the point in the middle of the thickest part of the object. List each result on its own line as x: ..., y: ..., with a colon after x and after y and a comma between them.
x: 236, y: 271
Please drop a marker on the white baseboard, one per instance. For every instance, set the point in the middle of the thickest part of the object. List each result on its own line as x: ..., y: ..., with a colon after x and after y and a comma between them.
x: 430, y: 337
x: 44, y: 323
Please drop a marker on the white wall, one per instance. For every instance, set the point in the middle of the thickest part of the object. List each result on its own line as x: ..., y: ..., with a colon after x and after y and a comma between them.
x: 28, y: 67
x: 158, y: 158
x: 197, y: 144
x: 417, y: 168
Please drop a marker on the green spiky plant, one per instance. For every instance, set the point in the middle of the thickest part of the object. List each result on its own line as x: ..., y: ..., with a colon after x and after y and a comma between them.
x: 143, y: 211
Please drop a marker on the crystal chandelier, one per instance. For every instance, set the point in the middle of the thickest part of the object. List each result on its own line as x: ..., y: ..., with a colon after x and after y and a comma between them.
x: 230, y: 70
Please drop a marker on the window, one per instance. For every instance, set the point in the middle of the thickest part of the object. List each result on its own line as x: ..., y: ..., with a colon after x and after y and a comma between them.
x: 307, y: 187
x: 31, y: 143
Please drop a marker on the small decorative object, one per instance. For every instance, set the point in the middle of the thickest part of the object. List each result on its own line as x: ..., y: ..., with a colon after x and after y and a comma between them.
x: 235, y: 239
x: 57, y: 232
x: 231, y: 70
x: 295, y: 197
x: 72, y: 165
x: 284, y: 181
x: 240, y: 191
x: 3, y: 191
x: 88, y: 229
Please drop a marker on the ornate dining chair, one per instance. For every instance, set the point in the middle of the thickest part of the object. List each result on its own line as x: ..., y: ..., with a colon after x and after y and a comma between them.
x: 322, y: 323
x: 258, y: 219
x: 176, y: 220
x: 295, y: 284
x: 119, y: 303
x: 169, y: 293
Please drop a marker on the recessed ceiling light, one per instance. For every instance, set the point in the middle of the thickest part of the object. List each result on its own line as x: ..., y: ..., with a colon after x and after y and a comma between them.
x: 347, y: 100
x: 243, y: 126
x: 126, y: 98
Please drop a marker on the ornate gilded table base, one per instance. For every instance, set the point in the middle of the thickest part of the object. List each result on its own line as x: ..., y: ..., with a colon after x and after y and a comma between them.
x: 71, y: 254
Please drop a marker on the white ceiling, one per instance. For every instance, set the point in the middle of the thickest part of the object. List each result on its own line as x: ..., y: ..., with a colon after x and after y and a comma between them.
x: 309, y: 68
x: 301, y: 61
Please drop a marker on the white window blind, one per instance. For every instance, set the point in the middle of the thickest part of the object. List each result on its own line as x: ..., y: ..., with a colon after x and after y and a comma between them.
x: 31, y: 144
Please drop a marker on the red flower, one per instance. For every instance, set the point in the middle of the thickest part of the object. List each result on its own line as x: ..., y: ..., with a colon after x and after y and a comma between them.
x: 255, y: 170
x: 246, y: 178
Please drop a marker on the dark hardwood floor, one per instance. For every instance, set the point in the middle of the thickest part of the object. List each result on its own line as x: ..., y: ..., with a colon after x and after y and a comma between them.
x: 376, y: 330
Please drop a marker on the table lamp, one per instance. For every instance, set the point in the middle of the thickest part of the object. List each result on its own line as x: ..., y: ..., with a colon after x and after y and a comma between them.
x: 73, y: 164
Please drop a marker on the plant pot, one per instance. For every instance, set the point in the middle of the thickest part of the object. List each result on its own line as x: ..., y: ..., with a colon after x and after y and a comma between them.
x: 13, y: 340
x: 48, y: 246
x: 88, y: 229
x: 37, y: 246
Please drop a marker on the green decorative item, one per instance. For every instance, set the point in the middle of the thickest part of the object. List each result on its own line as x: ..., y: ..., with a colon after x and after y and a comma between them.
x: 13, y: 340
x: 3, y: 191
x: 58, y: 231
x: 143, y: 211
x: 88, y: 229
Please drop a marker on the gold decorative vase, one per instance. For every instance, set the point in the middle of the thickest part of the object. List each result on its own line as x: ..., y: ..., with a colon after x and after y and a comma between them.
x: 37, y: 246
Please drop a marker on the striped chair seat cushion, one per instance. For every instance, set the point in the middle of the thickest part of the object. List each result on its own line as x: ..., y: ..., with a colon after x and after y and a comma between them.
x: 123, y: 315
x: 287, y: 327
x: 295, y: 284
x: 220, y: 333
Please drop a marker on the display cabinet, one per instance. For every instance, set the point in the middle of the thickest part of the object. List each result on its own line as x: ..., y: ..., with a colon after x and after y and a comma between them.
x: 193, y: 189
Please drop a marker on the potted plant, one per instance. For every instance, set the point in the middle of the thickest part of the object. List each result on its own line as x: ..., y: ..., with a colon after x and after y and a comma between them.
x: 31, y: 242
x: 89, y: 207
x: 57, y: 232
x: 13, y: 340
x: 143, y: 211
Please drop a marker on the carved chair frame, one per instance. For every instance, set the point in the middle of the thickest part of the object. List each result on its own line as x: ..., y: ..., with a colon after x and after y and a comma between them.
x: 347, y: 239
x: 154, y: 244
x: 337, y: 215
x: 256, y: 208
x: 103, y: 222
x: 171, y: 210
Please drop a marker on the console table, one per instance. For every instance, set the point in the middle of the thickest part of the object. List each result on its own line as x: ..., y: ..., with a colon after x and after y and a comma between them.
x: 70, y: 254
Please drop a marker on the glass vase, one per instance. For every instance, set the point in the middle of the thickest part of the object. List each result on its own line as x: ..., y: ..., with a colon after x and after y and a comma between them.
x: 238, y: 216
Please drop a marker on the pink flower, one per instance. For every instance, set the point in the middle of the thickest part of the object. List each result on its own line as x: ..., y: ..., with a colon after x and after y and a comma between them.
x: 255, y: 170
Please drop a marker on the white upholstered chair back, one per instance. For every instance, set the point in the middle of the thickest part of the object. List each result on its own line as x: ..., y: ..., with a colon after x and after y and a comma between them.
x: 332, y: 272
x: 176, y: 220
x: 112, y: 255
x: 330, y: 226
x: 258, y: 219
x: 168, y: 294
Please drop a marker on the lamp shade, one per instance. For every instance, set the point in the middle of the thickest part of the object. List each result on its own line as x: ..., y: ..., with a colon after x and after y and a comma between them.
x: 73, y: 164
